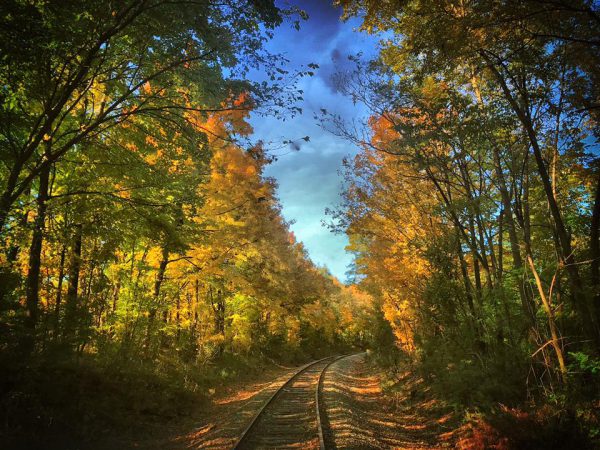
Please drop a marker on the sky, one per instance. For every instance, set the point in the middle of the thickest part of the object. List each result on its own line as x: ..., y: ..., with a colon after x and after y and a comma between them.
x: 309, y: 179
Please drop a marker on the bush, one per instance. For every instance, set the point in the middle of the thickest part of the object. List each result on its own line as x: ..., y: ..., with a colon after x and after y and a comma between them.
x: 62, y: 401
x: 509, y: 428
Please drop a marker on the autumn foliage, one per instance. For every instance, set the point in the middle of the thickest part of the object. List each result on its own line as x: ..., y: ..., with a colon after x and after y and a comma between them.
x: 144, y: 259
x: 473, y: 207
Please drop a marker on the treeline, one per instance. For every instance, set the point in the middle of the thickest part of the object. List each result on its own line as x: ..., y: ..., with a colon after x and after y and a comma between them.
x: 135, y: 219
x: 474, y: 206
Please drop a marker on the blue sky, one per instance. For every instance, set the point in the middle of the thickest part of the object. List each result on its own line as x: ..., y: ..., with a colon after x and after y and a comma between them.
x: 309, y: 179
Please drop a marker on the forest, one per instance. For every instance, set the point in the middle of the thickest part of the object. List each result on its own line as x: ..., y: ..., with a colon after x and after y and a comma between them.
x: 146, y: 263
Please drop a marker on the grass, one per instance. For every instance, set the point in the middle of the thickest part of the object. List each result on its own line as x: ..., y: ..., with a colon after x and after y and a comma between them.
x: 58, y: 402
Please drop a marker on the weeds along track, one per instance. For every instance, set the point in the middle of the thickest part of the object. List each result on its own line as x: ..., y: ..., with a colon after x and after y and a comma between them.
x: 294, y: 416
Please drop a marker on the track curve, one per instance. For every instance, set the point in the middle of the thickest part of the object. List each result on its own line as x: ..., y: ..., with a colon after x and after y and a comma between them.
x: 294, y: 416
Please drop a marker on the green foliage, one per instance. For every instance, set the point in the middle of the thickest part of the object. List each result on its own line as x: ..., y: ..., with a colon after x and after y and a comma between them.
x: 143, y: 253
x: 454, y: 372
x: 473, y: 207
x: 584, y: 363
x: 584, y: 376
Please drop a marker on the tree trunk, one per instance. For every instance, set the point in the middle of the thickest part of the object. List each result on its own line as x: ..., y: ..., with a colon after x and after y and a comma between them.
x: 467, y: 283
x: 219, y: 319
x: 115, y: 296
x: 527, y: 304
x: 58, y: 301
x: 595, y: 250
x: 6, y: 199
x: 13, y: 252
x: 160, y: 276
x: 71, y: 306
x: 177, y: 316
x: 582, y: 305
x: 555, y: 341
x: 35, y: 252
x: 500, y: 246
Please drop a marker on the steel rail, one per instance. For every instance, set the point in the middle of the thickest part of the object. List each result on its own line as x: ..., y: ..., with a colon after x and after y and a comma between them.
x: 319, y: 403
x: 276, y: 393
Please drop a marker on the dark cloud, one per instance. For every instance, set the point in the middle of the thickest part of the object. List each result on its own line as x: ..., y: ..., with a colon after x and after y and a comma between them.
x: 323, y: 20
x: 338, y: 62
x: 322, y: 14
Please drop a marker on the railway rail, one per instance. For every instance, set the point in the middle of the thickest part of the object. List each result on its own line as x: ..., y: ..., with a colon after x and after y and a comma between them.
x: 295, y: 415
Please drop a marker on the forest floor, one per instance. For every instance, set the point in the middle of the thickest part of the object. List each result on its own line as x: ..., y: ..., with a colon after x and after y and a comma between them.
x: 83, y: 404
x: 362, y: 413
x: 215, y: 425
x: 365, y: 409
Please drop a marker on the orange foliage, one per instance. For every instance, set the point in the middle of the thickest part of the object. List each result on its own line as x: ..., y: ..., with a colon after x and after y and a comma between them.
x: 388, y: 218
x: 480, y: 435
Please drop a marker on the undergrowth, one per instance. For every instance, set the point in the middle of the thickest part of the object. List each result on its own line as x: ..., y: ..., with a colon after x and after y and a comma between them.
x: 65, y: 402
x: 495, y: 412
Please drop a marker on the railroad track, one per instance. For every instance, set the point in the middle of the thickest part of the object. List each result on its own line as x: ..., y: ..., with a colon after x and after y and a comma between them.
x: 294, y: 416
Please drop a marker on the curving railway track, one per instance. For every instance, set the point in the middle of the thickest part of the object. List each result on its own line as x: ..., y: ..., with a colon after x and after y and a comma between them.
x: 294, y: 416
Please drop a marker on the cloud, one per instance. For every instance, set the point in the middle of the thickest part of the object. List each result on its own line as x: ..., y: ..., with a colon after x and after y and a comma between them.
x: 338, y: 62
x: 323, y: 17
x: 308, y: 178
x: 309, y: 183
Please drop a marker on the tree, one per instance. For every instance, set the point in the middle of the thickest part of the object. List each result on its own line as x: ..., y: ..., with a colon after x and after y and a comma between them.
x: 87, y: 66
x: 521, y: 51
x: 486, y: 105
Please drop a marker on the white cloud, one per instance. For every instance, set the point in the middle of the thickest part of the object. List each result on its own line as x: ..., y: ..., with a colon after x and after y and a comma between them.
x: 308, y: 179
